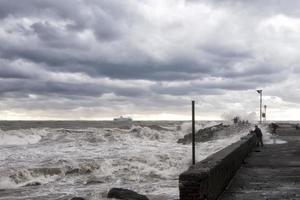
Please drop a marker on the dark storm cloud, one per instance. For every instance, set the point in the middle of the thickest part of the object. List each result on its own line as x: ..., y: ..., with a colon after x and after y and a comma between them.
x: 81, y: 50
x: 59, y: 47
x: 12, y: 73
x: 142, y: 67
x: 106, y: 22
x: 74, y: 90
x: 68, y: 9
x: 104, y: 18
x: 52, y: 37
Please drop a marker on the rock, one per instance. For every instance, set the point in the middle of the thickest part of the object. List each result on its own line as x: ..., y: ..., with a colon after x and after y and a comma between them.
x: 202, y: 135
x: 78, y: 198
x: 120, y: 193
x: 136, y: 130
x: 214, y: 132
x: 32, y: 184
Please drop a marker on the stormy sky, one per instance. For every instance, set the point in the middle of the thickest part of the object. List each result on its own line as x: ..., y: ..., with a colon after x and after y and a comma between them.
x: 97, y: 59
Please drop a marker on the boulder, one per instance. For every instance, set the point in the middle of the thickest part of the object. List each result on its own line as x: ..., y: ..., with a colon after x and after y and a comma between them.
x: 203, y: 135
x: 215, y: 132
x: 78, y: 198
x: 120, y: 193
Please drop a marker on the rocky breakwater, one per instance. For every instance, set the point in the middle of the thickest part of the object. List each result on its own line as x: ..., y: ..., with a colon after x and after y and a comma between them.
x: 215, y: 132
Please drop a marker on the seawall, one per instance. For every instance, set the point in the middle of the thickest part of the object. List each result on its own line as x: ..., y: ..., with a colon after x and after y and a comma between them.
x: 207, y: 179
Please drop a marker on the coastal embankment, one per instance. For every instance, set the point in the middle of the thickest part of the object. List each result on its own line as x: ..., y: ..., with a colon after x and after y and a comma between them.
x: 271, y: 172
x: 243, y: 171
x: 208, y: 178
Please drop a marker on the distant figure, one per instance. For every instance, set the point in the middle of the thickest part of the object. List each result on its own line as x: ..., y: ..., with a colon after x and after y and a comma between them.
x: 298, y: 126
x: 274, y: 127
x: 236, y: 120
x: 258, y: 134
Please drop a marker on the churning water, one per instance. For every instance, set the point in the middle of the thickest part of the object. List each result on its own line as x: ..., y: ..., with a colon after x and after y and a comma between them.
x: 63, y: 160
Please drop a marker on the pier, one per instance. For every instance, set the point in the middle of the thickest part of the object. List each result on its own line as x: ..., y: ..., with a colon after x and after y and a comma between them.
x: 271, y: 172
x: 243, y: 172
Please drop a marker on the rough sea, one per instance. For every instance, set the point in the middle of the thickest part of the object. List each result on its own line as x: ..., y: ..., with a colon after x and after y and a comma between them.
x: 64, y: 159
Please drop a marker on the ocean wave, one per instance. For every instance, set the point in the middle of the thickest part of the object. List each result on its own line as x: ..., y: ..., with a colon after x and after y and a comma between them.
x: 30, y: 177
x: 20, y: 137
x: 65, y: 160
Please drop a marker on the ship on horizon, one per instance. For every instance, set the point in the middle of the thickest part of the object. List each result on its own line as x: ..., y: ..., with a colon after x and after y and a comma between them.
x: 122, y: 119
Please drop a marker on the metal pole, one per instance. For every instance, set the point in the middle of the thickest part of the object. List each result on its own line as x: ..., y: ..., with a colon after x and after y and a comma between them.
x: 260, y: 107
x: 193, y: 132
x: 260, y: 94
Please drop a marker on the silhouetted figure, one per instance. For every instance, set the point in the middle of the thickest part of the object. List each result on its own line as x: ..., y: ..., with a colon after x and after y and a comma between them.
x: 258, y: 134
x: 236, y: 120
x: 298, y: 126
x: 274, y: 127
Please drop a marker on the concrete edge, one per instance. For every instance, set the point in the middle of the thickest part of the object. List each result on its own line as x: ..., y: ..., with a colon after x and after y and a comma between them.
x: 208, y: 178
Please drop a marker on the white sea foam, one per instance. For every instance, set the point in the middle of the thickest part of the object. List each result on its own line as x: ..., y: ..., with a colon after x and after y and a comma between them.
x: 19, y: 137
x: 242, y: 114
x: 269, y: 138
x: 7, y: 183
x: 93, y: 160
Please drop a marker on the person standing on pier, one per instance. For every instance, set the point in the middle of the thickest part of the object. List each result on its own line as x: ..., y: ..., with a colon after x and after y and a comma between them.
x: 274, y: 127
x: 258, y: 134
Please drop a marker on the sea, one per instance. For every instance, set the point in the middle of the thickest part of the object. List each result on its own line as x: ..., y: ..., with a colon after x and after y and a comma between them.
x: 59, y: 160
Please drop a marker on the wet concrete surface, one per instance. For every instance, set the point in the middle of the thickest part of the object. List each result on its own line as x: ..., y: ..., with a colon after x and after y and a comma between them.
x: 271, y: 172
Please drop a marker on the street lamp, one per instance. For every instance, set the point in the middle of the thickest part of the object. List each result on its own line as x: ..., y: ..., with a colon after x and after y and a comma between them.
x: 260, y: 108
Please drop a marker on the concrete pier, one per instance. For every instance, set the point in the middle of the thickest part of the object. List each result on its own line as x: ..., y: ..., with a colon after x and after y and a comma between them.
x: 271, y: 172
x: 208, y: 178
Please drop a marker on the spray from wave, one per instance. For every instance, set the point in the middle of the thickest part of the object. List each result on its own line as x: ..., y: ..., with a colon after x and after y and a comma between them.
x: 88, y: 162
x: 243, y: 115
x: 30, y: 136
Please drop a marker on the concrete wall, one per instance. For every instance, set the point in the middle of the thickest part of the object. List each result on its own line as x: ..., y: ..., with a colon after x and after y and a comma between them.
x: 208, y: 179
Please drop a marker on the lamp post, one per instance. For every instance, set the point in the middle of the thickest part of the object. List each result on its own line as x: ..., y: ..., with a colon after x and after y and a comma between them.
x: 260, y: 105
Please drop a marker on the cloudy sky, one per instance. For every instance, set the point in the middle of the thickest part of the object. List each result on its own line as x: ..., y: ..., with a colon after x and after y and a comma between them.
x: 97, y: 59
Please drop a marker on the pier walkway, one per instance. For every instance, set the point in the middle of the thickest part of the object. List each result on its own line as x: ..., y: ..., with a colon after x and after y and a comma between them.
x: 271, y: 172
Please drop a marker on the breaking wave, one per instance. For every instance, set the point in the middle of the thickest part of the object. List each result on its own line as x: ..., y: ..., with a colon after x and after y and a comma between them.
x: 146, y: 158
x: 17, y: 137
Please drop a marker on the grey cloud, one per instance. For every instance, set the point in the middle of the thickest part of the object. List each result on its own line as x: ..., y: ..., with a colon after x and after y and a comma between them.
x: 179, y: 68
x: 53, y: 37
x: 106, y: 19
x: 117, y: 41
x: 12, y: 73
x: 67, y: 9
x: 227, y: 52
x: 257, y: 7
x: 108, y: 24
x: 73, y: 90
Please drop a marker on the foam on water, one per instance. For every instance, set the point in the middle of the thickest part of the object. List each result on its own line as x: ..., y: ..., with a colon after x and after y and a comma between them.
x: 88, y: 162
x: 19, y: 138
